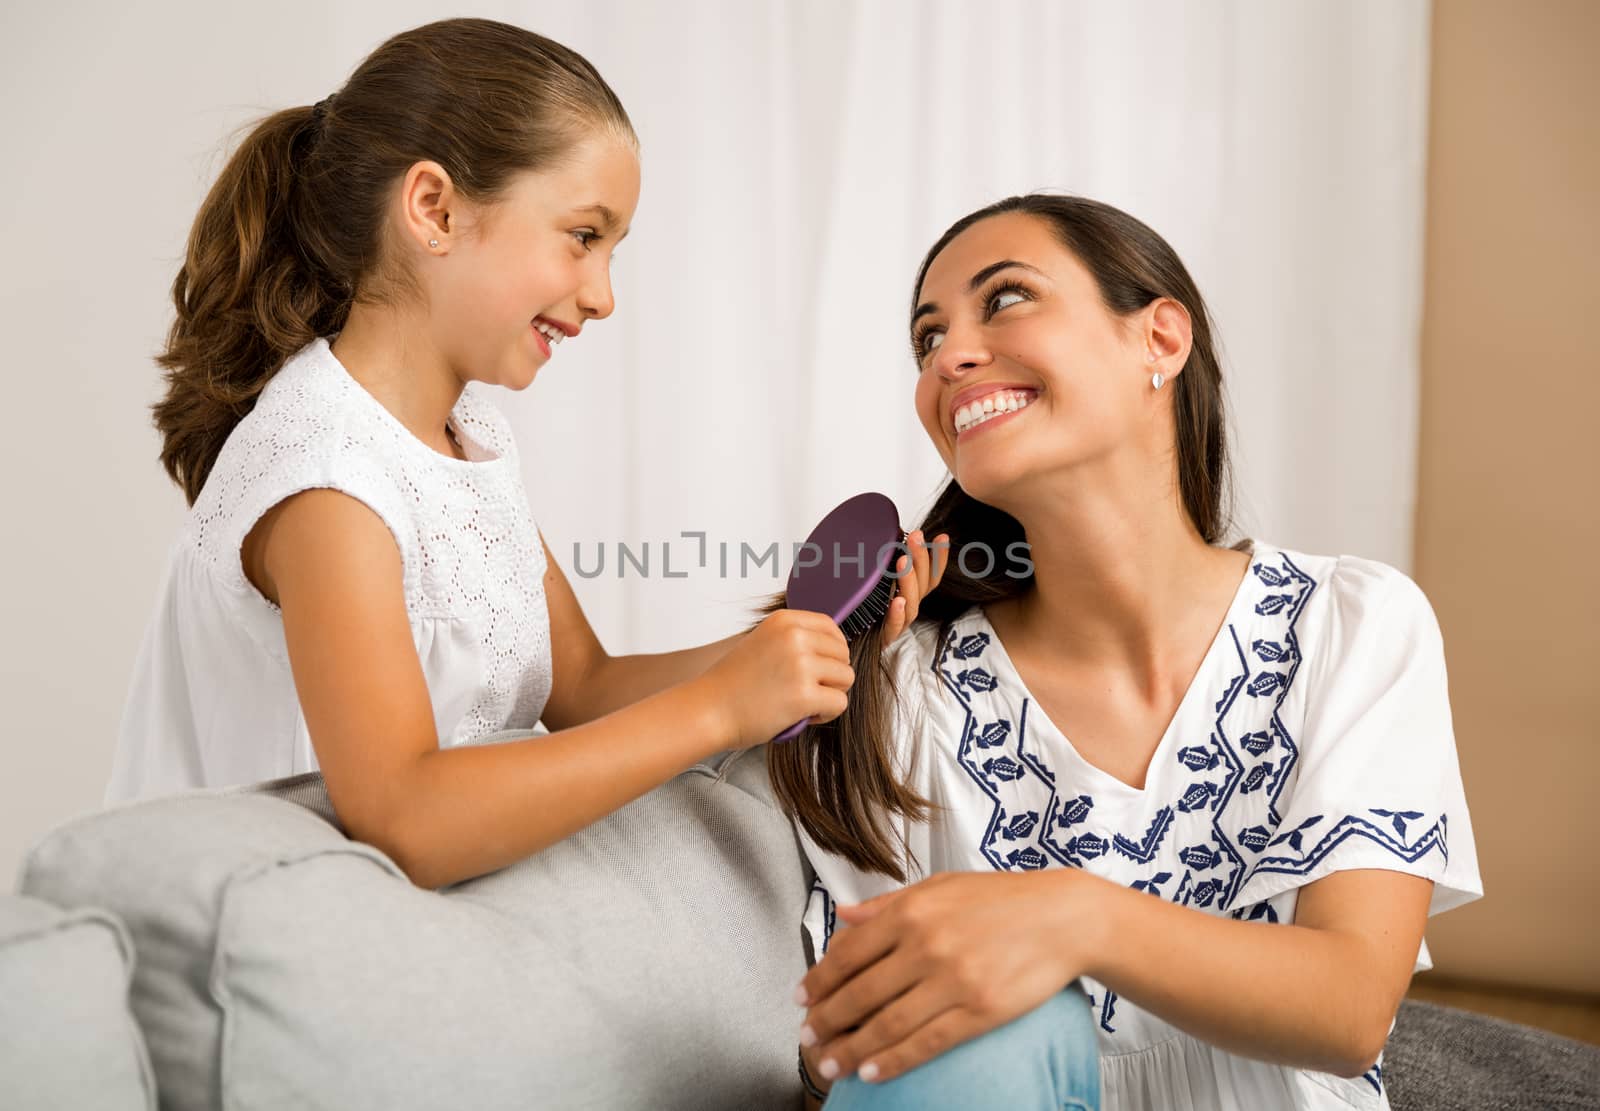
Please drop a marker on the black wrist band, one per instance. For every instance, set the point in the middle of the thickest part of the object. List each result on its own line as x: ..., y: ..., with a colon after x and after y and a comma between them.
x: 810, y: 1085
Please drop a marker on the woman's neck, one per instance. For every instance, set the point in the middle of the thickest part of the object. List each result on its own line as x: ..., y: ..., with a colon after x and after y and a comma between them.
x: 406, y: 375
x: 1115, y: 590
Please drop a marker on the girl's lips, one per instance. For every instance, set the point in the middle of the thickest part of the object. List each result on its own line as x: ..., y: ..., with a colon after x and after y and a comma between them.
x: 544, y: 344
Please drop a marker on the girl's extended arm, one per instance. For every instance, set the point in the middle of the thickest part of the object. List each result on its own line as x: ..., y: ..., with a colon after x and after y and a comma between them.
x: 442, y: 815
x: 987, y: 948
x: 588, y: 683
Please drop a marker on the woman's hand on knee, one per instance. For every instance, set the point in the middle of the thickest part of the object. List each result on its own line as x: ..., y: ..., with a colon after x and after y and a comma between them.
x: 928, y: 967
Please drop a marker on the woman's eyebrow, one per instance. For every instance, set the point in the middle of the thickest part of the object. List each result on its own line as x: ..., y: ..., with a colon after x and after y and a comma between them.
x: 978, y: 279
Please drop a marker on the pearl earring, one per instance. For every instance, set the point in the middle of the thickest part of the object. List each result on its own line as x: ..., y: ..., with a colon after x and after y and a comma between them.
x: 1156, y: 379
x: 433, y: 242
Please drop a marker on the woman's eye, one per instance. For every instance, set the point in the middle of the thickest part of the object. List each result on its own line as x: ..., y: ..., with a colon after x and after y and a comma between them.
x: 929, y: 341
x: 995, y: 304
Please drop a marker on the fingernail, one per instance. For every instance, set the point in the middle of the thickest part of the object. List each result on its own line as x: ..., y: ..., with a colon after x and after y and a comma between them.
x: 830, y: 1069
x: 808, y: 1036
x: 800, y: 997
x: 868, y: 1072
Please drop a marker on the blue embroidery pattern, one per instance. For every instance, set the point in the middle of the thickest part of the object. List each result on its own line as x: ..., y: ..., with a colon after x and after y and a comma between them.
x: 1224, y: 824
x: 1249, y: 754
x: 829, y: 914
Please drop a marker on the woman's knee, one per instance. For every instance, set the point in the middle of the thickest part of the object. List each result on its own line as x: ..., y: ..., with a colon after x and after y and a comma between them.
x: 1046, y: 1058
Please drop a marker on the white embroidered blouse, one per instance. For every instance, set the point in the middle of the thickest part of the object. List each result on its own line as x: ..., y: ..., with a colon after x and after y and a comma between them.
x: 1316, y: 736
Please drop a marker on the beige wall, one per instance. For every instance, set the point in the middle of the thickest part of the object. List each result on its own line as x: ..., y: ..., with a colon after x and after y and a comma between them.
x: 1507, y: 527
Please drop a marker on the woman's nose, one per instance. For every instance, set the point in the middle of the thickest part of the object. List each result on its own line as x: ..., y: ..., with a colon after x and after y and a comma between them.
x: 960, y: 353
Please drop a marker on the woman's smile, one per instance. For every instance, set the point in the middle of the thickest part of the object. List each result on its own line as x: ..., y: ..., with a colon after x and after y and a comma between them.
x: 996, y: 409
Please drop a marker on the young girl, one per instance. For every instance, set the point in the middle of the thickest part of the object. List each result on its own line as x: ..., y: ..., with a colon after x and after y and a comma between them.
x: 1140, y: 804
x: 359, y: 585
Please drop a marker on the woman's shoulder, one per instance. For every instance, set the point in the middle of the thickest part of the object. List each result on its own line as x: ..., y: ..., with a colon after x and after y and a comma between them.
x: 913, y: 659
x: 916, y: 661
x: 1359, y: 616
x: 1348, y: 587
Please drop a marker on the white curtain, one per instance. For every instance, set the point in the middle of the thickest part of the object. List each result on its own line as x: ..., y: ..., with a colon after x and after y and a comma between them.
x: 799, y: 158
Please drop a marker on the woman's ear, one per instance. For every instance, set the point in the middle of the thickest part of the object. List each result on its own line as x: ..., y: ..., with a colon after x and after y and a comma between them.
x: 1168, y: 337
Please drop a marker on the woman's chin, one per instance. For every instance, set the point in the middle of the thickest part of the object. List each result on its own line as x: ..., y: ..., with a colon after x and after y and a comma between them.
x: 988, y: 480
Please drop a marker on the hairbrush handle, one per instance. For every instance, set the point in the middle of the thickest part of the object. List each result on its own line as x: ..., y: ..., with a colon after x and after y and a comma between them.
x: 853, y: 580
x: 792, y: 732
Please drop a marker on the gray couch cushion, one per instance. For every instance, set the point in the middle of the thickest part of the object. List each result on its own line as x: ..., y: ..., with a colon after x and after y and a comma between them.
x: 1443, y: 1059
x: 647, y: 961
x: 67, y: 1038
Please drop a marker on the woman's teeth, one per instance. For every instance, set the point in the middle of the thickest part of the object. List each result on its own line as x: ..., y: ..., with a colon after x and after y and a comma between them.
x: 995, y: 405
x: 549, y: 331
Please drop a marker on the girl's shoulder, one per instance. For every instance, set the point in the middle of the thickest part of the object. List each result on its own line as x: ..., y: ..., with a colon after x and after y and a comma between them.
x: 306, y: 416
x: 484, y: 422
x: 307, y: 429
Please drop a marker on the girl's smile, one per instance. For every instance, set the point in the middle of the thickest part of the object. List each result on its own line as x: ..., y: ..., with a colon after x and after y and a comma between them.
x: 550, y: 333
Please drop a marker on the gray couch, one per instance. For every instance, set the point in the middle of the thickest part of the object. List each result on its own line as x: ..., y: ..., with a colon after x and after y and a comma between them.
x: 647, y: 962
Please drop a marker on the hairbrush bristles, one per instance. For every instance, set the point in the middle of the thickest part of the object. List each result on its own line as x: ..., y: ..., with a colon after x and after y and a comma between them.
x: 874, y: 607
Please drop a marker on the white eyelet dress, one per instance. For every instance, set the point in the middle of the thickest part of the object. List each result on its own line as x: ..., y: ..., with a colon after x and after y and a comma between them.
x: 212, y: 701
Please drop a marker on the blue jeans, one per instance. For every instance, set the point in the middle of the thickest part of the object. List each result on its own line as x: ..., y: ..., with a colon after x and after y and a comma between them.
x: 1047, y: 1060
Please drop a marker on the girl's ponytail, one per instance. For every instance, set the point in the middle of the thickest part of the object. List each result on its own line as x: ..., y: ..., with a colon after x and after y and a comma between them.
x: 293, y: 232
x: 246, y: 298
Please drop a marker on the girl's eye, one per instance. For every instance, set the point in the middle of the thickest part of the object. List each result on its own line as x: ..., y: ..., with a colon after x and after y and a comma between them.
x: 585, y: 236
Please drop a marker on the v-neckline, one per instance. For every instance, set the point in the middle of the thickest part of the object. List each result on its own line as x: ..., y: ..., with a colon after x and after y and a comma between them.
x: 1039, y: 720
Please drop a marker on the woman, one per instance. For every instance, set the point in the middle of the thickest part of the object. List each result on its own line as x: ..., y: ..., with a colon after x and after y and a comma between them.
x: 1259, y: 738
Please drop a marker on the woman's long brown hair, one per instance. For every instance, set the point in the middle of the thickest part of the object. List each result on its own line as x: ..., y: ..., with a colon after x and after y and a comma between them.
x: 291, y: 234
x: 837, y: 779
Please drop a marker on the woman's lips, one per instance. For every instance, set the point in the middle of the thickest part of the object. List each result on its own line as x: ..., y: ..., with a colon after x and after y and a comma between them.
x: 1003, y: 418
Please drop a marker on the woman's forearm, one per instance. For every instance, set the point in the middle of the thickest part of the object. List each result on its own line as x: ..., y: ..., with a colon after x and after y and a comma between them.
x: 620, y: 681
x: 1282, y: 993
x: 466, y: 811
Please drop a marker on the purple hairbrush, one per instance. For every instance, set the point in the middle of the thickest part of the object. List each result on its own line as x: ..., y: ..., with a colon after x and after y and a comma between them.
x: 851, y: 575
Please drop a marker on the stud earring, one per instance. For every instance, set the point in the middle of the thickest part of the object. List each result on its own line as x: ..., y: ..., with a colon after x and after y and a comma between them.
x: 433, y: 242
x: 1156, y: 379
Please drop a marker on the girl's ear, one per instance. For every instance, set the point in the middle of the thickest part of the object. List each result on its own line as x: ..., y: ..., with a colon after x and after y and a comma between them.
x: 427, y: 196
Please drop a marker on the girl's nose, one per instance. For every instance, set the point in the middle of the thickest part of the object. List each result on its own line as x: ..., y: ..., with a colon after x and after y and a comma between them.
x: 595, y: 299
